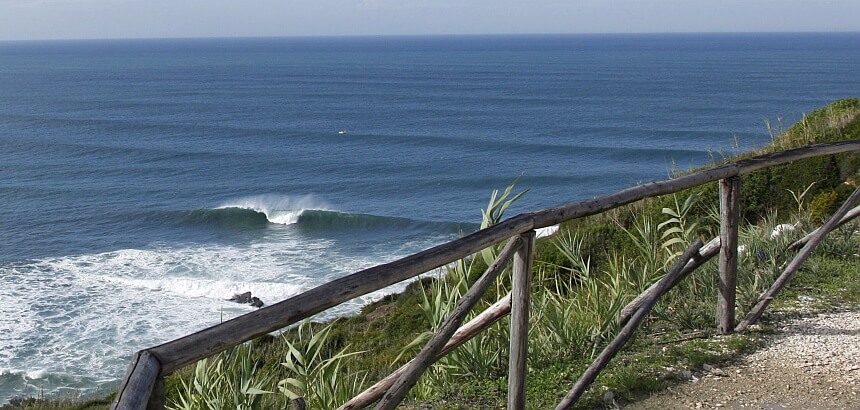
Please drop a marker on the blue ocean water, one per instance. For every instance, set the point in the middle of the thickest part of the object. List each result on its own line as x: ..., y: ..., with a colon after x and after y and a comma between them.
x: 142, y: 182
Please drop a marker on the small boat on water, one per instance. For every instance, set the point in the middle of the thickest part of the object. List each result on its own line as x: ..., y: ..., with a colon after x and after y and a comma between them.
x: 342, y: 132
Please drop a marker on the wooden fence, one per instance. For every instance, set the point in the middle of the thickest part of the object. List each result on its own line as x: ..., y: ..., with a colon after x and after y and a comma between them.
x: 143, y: 386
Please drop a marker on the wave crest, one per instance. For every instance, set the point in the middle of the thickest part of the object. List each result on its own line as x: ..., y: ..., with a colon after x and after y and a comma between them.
x: 278, y: 209
x: 306, y: 213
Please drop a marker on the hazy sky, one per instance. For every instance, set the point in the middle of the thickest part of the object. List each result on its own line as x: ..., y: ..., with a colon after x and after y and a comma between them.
x: 70, y: 19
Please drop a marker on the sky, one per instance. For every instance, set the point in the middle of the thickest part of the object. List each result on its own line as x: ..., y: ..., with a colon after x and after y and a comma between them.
x: 88, y: 19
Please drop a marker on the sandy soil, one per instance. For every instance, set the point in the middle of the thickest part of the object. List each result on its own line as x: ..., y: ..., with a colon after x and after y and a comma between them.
x: 813, y: 363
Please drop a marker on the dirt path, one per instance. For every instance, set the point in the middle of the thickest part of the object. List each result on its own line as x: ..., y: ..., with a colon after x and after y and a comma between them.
x: 814, y: 363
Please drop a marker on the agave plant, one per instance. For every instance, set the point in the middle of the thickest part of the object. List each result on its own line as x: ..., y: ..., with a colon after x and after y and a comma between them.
x: 314, y: 374
x: 229, y: 381
x: 495, y: 212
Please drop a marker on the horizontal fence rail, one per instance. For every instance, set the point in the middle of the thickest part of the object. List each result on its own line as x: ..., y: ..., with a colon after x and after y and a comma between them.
x: 143, y: 383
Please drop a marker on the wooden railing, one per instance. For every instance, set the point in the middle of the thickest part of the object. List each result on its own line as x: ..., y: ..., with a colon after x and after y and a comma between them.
x: 143, y: 386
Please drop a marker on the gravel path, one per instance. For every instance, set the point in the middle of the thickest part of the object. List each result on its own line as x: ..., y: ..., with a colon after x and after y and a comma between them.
x: 813, y: 363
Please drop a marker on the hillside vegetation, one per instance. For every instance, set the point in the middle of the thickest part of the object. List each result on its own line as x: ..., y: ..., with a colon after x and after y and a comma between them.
x: 584, y: 275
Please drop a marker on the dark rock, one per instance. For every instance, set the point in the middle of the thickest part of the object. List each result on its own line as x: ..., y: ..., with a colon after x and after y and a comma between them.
x: 242, y: 298
x: 247, y: 299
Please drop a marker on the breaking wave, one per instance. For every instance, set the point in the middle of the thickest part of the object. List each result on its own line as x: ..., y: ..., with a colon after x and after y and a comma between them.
x: 305, y: 213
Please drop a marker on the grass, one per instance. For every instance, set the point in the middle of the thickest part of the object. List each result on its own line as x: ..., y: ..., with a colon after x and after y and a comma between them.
x: 583, y: 276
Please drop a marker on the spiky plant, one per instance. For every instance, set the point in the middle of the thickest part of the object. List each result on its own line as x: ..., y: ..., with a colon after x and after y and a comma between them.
x: 229, y: 381
x: 315, y: 373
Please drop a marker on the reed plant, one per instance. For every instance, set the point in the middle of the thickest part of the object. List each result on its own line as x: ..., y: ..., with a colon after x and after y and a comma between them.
x: 759, y: 261
x: 692, y: 304
x: 577, y: 306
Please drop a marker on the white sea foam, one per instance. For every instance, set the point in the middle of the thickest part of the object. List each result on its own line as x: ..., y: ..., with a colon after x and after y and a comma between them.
x: 81, y: 317
x: 16, y: 315
x: 36, y: 374
x: 212, y: 289
x: 86, y: 314
x: 283, y: 217
x: 279, y: 209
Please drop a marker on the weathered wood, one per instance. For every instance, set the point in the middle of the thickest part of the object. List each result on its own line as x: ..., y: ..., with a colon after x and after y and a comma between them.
x: 579, y: 209
x: 428, y: 354
x: 627, y: 331
x: 475, y: 326
x: 784, y: 157
x: 157, y: 399
x: 795, y: 263
x: 188, y: 349
x: 852, y: 214
x: 139, y: 382
x: 711, y: 249
x: 520, y: 302
x: 207, y: 342
x: 707, y: 252
x: 191, y: 348
x: 729, y: 224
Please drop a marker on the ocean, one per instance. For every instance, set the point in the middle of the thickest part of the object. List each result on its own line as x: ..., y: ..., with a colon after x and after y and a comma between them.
x: 143, y: 182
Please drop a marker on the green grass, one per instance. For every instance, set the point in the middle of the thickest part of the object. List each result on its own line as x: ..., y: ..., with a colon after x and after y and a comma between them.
x: 825, y: 283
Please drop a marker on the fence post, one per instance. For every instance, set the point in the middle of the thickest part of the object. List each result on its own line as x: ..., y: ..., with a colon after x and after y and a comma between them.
x: 416, y: 367
x: 729, y: 222
x: 139, y: 383
x: 520, y: 298
x: 157, y: 399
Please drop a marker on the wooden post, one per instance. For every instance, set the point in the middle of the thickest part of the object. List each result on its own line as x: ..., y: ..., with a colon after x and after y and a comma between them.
x: 156, y: 399
x: 139, y: 383
x: 427, y: 356
x: 729, y: 222
x: 627, y: 331
x: 795, y: 263
x: 520, y: 301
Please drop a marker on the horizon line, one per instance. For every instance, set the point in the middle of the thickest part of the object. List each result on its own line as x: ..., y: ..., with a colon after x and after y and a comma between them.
x: 440, y: 35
